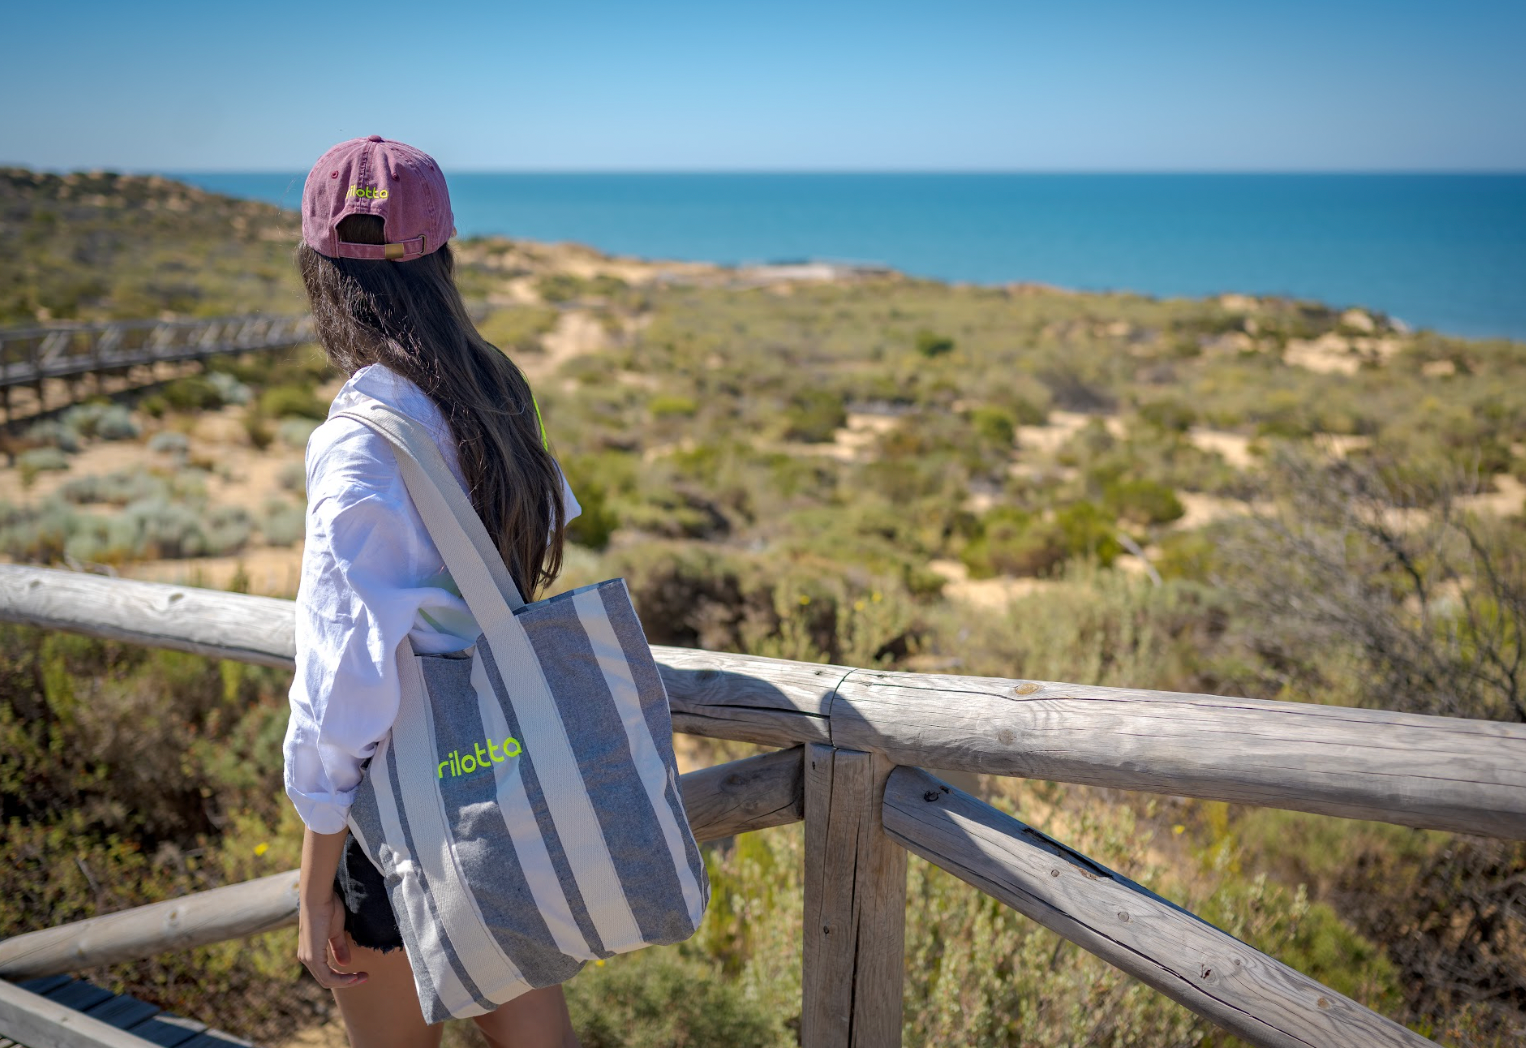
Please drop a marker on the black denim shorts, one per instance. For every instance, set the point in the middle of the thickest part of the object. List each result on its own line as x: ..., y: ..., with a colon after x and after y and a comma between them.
x: 368, y: 915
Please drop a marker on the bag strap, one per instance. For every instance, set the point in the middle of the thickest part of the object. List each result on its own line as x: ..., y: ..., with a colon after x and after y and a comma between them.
x: 458, y: 532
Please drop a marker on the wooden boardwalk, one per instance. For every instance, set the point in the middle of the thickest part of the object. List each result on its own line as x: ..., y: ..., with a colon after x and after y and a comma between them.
x: 851, y: 741
x: 60, y: 1011
x: 133, y: 352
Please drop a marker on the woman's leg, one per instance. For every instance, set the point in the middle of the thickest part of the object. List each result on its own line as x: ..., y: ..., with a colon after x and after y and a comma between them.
x: 383, y: 1011
x: 537, y: 1019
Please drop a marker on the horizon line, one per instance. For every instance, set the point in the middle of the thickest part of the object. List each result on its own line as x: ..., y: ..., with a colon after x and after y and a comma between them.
x: 826, y: 171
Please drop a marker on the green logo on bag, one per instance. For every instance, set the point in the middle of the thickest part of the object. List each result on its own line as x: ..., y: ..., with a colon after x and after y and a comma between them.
x: 475, y: 758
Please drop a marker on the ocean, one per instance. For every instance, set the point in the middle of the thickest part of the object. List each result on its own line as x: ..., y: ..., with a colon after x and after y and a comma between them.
x: 1446, y: 252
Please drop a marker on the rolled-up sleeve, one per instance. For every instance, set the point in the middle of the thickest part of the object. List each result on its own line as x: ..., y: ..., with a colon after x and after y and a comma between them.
x: 355, y: 605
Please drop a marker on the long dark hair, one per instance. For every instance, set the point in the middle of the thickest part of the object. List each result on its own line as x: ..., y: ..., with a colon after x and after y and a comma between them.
x: 409, y: 317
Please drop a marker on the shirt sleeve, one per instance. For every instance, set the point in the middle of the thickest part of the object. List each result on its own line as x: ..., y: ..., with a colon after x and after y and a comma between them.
x: 356, y: 603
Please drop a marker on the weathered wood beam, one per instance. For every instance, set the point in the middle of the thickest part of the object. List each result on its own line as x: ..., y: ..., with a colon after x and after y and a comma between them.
x: 744, y: 795
x: 185, y: 618
x: 855, y: 905
x: 774, y: 702
x: 1436, y: 772
x: 1195, y: 964
x: 722, y: 801
x: 33, y: 1020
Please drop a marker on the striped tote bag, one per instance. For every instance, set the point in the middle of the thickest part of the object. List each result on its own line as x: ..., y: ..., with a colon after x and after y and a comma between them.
x: 524, y: 810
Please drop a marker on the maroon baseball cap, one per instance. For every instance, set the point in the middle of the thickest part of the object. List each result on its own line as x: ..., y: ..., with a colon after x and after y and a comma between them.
x: 376, y: 176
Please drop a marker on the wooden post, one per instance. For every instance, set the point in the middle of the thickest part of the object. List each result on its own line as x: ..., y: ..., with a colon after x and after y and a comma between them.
x: 855, y: 905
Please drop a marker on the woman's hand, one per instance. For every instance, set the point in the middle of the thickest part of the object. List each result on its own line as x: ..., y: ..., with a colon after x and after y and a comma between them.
x: 320, y: 912
x: 320, y: 928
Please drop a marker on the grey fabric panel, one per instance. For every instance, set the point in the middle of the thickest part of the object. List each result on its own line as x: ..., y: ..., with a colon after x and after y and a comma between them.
x: 625, y: 814
x: 363, y: 812
x: 483, y: 848
x: 542, y: 813
x: 654, y: 706
x: 450, y: 952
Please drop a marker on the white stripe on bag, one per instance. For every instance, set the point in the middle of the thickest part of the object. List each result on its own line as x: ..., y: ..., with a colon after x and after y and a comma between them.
x: 414, y: 741
x: 622, y: 687
x: 432, y: 965
x: 524, y: 831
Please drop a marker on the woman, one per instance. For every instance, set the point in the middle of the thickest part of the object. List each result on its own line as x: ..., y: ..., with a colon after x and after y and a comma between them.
x: 379, y: 276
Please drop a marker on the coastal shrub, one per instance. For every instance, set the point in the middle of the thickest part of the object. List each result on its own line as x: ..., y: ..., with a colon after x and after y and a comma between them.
x: 39, y: 460
x: 53, y: 433
x: 153, y: 405
x: 192, y: 393
x: 257, y: 427
x: 229, y: 388
x: 596, y: 520
x: 1169, y: 414
x: 293, y: 477
x: 996, y: 426
x: 294, y: 432
x: 668, y: 405
x: 931, y: 344
x: 1088, y: 531
x: 169, y: 442
x: 695, y: 595
x: 35, y: 534
x: 1012, y: 541
x: 292, y: 400
x: 116, y: 423
x: 283, y: 523
x: 83, y: 418
x: 558, y: 287
x: 667, y: 996
x: 227, y: 529
x: 518, y: 329
x: 814, y: 416
x: 1142, y: 501
x: 122, y: 486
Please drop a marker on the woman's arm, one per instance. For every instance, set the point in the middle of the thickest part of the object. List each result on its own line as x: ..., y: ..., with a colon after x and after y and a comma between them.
x: 320, y: 913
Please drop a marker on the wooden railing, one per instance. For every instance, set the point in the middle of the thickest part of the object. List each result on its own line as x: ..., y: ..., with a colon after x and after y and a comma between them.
x: 852, y: 741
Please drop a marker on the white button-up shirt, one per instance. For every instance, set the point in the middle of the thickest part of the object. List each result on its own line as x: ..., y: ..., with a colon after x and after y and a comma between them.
x: 371, y: 575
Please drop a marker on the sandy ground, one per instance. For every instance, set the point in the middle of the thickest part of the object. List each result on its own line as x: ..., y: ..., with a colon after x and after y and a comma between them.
x: 575, y: 334
x: 1234, y: 447
x: 993, y: 594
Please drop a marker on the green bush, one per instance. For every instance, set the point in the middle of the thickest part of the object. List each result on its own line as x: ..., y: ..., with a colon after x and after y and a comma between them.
x: 294, y: 432
x: 170, y: 442
x: 1142, y: 501
x: 293, y: 477
x: 1088, y: 531
x: 292, y: 400
x: 1013, y: 541
x: 82, y: 418
x: 668, y: 405
x: 518, y: 329
x: 814, y: 416
x: 666, y: 996
x: 283, y: 523
x: 194, y: 393
x: 39, y: 460
x: 996, y: 426
x: 559, y: 287
x: 931, y: 344
x: 116, y: 423
x: 1169, y: 414
x: 229, y: 388
x: 53, y: 433
x: 596, y: 521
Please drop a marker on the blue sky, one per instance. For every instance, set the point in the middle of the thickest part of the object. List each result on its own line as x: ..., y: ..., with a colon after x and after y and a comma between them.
x: 787, y: 85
